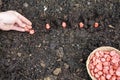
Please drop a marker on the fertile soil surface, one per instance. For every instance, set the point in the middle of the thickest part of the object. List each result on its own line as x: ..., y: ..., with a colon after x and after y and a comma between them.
x: 58, y: 53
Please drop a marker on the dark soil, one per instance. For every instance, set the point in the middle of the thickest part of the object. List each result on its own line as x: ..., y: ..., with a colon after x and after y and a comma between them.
x: 36, y: 57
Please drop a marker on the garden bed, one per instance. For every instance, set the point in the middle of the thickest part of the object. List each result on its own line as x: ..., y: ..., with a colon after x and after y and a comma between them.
x: 58, y: 53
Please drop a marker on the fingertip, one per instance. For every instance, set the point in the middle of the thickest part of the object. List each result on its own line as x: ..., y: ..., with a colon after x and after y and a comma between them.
x: 26, y: 29
x: 20, y: 23
x: 25, y: 20
x: 16, y: 28
x: 21, y: 17
x: 30, y: 27
x: 22, y: 30
x: 30, y: 23
x: 23, y: 25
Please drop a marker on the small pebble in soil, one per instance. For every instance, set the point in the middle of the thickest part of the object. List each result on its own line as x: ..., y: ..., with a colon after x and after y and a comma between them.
x: 66, y: 65
x: 59, y: 60
x: 50, y: 77
x: 25, y: 5
x: 0, y: 2
x: 30, y: 55
x: 81, y: 25
x: 88, y: 3
x: 57, y: 71
x: 19, y: 54
x: 60, y: 52
x: 64, y: 25
x: 45, y: 8
x: 47, y: 78
x: 31, y: 31
x: 96, y: 24
x: 42, y: 63
x: 111, y: 26
x: 47, y: 26
x: 81, y: 60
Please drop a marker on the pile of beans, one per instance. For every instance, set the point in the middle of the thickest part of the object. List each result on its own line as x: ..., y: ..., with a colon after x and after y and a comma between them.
x: 105, y: 65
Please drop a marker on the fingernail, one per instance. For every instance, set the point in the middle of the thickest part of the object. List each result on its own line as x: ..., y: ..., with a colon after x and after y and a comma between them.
x: 26, y: 29
x: 30, y: 27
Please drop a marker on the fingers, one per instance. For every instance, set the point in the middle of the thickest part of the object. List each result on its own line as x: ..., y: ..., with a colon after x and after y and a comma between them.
x: 22, y: 18
x: 20, y: 23
x: 29, y: 27
x: 17, y: 28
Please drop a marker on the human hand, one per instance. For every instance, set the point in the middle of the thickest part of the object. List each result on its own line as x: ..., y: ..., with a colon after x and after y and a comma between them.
x: 12, y: 20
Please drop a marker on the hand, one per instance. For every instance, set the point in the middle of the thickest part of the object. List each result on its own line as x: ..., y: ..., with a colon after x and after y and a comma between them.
x: 12, y: 20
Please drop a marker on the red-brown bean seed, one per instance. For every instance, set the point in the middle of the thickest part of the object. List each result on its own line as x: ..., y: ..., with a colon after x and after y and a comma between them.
x: 106, y: 63
x: 105, y: 56
x: 31, y: 31
x: 103, y: 59
x: 92, y: 72
x: 91, y: 66
x: 118, y: 71
x: 94, y: 63
x: 97, y: 75
x: 113, y: 77
x: 115, y: 60
x: 118, y: 78
x: 100, y: 73
x: 102, y: 78
x: 101, y: 53
x: 81, y: 25
x: 64, y: 24
x: 112, y: 53
x: 91, y: 57
x: 99, y: 66
x: 108, y: 58
x: 94, y: 59
x: 96, y: 70
x: 107, y: 52
x: 116, y: 56
x: 47, y: 26
x: 115, y: 67
x: 111, y: 71
x: 105, y: 71
x: 97, y: 60
x: 108, y: 76
x: 97, y: 54
x: 96, y: 24
x: 106, y: 67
